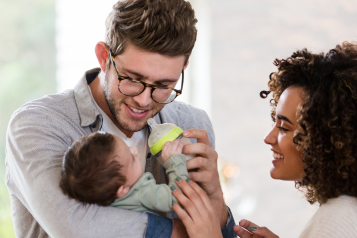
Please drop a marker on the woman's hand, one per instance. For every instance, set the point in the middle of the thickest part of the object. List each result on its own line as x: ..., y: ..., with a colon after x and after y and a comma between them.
x: 199, y: 218
x: 254, y: 231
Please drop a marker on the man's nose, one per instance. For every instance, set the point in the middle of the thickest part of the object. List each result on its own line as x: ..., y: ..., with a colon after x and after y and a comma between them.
x: 144, y: 98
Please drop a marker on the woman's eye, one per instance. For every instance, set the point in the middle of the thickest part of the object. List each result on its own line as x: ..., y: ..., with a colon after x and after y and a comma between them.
x: 282, y: 129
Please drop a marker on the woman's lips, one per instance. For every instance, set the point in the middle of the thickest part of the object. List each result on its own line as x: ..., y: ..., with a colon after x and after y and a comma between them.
x: 277, y: 156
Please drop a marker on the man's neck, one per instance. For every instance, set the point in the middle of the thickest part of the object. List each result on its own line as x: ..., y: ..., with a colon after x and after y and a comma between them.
x: 98, y: 95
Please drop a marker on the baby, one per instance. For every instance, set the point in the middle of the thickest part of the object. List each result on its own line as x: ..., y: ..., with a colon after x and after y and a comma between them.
x: 101, y: 169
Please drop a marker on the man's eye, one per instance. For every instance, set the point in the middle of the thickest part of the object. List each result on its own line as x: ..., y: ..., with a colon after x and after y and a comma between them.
x: 163, y: 85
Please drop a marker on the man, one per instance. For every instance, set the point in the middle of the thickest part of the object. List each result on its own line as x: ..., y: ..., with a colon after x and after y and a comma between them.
x: 148, y: 43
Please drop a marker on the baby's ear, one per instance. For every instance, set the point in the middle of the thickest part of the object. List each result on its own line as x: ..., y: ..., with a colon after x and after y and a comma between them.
x: 122, y: 191
x: 134, y: 150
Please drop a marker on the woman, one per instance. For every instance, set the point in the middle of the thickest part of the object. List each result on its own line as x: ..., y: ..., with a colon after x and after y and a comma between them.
x: 313, y: 141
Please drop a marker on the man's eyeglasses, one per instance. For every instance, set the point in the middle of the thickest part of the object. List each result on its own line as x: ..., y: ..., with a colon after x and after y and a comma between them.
x: 131, y: 87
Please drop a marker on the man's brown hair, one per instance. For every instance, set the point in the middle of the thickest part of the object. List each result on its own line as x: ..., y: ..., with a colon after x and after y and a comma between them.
x: 89, y: 172
x: 167, y: 27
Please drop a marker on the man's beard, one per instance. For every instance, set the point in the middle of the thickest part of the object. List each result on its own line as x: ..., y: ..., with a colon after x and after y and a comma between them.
x: 116, y: 111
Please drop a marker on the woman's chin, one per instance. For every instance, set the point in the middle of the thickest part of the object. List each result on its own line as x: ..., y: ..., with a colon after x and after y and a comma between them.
x: 274, y: 174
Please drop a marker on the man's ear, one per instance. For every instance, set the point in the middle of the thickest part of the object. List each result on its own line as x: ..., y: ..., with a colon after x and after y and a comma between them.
x: 122, y: 191
x: 184, y: 67
x: 102, y: 53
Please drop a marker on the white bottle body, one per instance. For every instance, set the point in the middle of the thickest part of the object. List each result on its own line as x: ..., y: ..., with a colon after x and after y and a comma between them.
x: 159, y: 131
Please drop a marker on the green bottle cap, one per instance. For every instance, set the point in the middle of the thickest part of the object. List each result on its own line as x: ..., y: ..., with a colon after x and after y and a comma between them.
x: 171, y: 136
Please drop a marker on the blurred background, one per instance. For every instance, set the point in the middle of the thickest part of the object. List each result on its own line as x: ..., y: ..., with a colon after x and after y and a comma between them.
x: 46, y: 45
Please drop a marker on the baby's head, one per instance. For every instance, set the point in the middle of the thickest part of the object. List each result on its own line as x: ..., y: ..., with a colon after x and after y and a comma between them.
x: 98, y: 168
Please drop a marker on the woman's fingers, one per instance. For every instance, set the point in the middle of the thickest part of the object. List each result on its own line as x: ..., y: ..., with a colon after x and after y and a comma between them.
x: 199, y: 219
x: 255, y: 231
x: 242, y: 233
x: 185, y: 218
x: 203, y: 195
x: 192, y: 195
x: 186, y: 203
x: 247, y: 224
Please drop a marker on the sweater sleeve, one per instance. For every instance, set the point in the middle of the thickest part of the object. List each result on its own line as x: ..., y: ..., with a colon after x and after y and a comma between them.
x: 176, y: 167
x: 158, y: 197
x: 35, y: 147
x: 155, y: 197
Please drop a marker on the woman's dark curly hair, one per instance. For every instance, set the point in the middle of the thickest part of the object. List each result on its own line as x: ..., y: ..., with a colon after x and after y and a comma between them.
x: 327, y: 117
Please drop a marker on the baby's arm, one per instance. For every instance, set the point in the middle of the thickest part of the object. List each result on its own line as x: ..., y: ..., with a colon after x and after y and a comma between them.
x: 158, y: 197
x: 174, y: 161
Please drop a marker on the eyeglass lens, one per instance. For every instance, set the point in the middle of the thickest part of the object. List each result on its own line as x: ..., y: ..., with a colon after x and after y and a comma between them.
x: 132, y: 88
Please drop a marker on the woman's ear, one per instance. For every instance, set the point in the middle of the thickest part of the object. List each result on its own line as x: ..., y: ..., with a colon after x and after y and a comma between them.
x: 122, y: 191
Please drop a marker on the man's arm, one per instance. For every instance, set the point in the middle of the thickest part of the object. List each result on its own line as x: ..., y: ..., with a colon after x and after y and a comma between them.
x: 35, y: 147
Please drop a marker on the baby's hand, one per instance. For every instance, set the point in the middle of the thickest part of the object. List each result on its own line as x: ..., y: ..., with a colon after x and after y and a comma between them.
x: 171, y: 148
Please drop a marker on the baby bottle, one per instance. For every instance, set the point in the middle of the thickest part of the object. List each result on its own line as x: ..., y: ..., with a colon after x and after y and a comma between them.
x: 162, y: 133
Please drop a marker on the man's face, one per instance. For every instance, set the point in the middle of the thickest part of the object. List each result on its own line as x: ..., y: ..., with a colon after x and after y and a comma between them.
x: 131, y: 113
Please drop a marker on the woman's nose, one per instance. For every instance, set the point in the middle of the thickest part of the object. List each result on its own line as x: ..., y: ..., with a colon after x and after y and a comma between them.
x: 271, y: 138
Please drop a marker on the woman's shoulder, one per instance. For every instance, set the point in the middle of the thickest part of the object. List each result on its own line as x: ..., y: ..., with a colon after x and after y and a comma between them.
x: 343, y: 203
x: 335, y: 218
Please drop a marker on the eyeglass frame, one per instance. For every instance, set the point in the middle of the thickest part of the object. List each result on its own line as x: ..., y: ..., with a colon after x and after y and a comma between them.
x: 146, y: 85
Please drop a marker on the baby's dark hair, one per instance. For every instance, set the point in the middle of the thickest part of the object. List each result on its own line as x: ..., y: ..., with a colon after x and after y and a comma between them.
x: 89, y: 172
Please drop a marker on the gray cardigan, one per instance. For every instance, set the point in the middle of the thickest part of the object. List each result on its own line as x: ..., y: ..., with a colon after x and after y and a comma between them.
x: 38, y: 135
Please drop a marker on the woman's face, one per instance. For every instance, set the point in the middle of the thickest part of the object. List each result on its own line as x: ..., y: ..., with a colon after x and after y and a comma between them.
x: 287, y: 160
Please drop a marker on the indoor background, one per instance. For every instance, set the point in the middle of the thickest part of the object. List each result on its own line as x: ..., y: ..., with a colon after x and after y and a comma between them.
x: 46, y: 45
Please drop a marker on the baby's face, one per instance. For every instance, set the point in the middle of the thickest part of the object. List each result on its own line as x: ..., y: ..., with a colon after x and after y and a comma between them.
x: 129, y: 158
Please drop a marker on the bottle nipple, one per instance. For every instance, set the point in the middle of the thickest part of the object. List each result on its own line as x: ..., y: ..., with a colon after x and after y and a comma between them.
x: 152, y: 123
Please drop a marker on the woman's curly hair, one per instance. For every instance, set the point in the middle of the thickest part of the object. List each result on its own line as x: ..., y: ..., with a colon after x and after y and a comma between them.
x: 327, y: 117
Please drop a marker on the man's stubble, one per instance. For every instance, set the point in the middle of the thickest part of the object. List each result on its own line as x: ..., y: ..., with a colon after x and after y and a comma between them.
x: 115, y: 109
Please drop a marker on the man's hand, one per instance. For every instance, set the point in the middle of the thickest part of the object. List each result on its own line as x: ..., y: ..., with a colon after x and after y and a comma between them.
x: 203, y: 170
